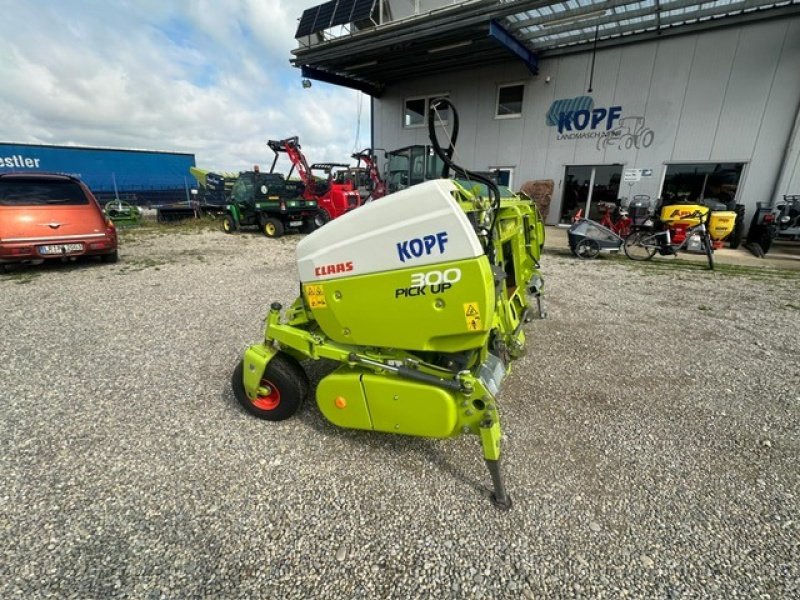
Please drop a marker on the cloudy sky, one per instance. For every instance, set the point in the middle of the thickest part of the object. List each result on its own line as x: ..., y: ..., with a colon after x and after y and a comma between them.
x: 211, y: 77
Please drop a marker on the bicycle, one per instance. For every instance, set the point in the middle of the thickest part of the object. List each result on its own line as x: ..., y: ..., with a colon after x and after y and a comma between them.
x: 621, y: 227
x: 643, y: 244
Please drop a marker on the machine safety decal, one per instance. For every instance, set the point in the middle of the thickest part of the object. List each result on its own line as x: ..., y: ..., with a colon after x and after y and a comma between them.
x: 316, y: 296
x: 472, y: 315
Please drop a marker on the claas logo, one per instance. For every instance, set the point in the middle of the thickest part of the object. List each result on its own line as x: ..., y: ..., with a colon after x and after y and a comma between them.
x: 342, y: 267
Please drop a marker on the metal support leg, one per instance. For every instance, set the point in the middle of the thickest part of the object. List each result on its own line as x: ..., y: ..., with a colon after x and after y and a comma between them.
x: 490, y: 440
x: 540, y: 306
x: 500, y: 497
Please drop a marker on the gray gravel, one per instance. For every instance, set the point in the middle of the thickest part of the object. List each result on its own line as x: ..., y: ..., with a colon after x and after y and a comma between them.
x: 651, y: 443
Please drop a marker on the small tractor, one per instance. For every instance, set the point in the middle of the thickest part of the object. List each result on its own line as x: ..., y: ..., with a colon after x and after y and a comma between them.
x: 422, y: 299
x: 775, y: 220
x: 376, y: 187
x: 334, y: 199
x: 269, y: 202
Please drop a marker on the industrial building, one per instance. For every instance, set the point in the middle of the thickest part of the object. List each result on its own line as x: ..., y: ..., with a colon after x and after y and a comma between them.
x: 607, y: 99
x: 140, y: 176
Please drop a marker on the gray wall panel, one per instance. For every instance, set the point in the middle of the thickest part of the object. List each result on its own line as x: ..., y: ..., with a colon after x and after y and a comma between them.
x: 778, y: 116
x: 708, y: 81
x: 751, y: 79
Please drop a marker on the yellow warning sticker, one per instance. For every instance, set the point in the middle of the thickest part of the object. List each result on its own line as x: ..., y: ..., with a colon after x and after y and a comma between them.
x: 472, y: 315
x: 316, y: 296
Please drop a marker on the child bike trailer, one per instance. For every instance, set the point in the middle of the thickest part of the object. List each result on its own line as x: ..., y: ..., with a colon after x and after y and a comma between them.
x: 587, y: 239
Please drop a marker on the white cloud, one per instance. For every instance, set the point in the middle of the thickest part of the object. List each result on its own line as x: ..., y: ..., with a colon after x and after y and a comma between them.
x: 211, y: 77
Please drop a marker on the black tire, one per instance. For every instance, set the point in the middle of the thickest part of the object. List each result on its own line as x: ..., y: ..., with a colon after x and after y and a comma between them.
x: 587, y: 249
x: 634, y: 248
x: 286, y: 382
x: 309, y: 225
x: 735, y: 239
x: 111, y: 257
x: 765, y: 238
x: 321, y: 218
x: 709, y: 248
x: 228, y: 224
x: 272, y: 228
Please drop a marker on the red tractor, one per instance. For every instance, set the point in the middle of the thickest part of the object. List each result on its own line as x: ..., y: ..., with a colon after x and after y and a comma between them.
x: 377, y: 187
x: 334, y: 199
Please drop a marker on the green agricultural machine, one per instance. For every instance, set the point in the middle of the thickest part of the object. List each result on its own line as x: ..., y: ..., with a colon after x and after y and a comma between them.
x: 421, y: 299
x: 271, y: 203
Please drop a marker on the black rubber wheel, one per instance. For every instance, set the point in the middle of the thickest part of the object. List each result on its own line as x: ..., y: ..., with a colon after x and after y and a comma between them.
x: 228, y: 224
x: 709, y: 248
x: 765, y: 239
x: 587, y: 249
x: 321, y: 218
x: 640, y: 245
x: 111, y: 257
x: 284, y: 386
x: 309, y: 225
x: 760, y: 234
x: 272, y: 228
x: 735, y: 239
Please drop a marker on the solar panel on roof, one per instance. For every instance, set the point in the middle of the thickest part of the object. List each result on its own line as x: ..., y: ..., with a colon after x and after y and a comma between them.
x: 362, y: 9
x: 341, y: 15
x: 324, y: 16
x: 306, y: 22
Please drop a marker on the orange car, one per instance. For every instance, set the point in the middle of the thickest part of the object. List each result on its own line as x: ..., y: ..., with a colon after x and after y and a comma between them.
x: 46, y: 216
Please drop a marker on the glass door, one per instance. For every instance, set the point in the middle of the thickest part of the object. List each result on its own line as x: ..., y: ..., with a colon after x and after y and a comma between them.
x: 588, y: 187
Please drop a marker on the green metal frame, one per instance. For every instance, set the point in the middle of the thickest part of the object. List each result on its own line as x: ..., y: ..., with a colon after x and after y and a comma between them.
x: 408, y: 394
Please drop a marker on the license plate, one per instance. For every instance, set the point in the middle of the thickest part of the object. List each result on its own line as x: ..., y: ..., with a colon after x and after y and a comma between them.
x: 295, y: 223
x: 61, y: 249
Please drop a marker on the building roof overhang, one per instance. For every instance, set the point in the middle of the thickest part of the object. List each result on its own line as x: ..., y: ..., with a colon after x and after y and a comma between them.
x: 377, y: 51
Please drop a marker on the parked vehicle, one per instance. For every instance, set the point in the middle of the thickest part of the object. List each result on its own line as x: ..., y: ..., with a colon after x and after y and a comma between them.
x: 375, y: 186
x: 122, y: 213
x: 47, y: 216
x: 269, y: 202
x: 334, y: 199
x: 411, y: 165
x: 780, y: 219
x: 789, y: 218
x: 677, y: 229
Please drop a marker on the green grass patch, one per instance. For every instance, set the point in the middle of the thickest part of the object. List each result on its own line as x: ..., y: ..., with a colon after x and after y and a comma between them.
x: 184, y: 227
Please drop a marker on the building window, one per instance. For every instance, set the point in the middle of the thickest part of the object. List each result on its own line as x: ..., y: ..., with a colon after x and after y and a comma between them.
x: 702, y: 181
x: 503, y: 175
x: 415, y: 113
x: 509, y: 101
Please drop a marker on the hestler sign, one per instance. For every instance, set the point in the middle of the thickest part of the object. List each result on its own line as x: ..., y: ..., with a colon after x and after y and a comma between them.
x: 101, y: 168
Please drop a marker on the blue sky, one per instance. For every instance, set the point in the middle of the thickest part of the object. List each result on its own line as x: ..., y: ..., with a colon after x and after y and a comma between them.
x: 211, y: 77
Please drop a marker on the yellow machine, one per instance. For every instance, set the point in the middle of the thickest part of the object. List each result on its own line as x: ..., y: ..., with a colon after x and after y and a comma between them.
x: 720, y: 222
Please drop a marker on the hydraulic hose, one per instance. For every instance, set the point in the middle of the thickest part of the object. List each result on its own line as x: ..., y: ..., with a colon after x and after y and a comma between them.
x: 447, y: 158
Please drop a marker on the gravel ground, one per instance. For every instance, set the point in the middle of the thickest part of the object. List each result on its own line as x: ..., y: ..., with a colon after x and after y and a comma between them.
x: 651, y: 443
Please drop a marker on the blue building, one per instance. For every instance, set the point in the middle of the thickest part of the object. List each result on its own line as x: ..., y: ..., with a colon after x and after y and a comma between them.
x: 138, y: 175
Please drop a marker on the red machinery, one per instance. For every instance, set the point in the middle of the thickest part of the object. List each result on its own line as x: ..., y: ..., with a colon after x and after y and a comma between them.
x: 371, y: 164
x: 333, y: 198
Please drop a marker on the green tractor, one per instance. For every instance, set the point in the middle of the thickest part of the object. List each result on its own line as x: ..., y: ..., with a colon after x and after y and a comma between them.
x: 421, y: 299
x: 270, y: 203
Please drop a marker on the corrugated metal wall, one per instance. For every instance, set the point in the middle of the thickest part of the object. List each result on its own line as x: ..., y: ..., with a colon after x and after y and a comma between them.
x: 134, y: 170
x: 726, y: 95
